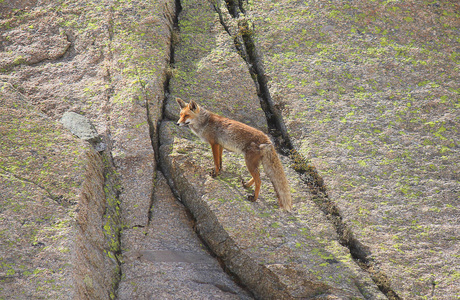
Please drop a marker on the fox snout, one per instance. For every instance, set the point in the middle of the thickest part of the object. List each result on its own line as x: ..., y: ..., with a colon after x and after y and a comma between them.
x: 182, y: 123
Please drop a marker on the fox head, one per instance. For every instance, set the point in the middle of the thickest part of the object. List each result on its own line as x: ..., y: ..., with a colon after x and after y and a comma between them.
x: 188, y: 112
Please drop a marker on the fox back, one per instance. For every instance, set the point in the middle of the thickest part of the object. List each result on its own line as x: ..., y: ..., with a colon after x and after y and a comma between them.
x: 232, y: 135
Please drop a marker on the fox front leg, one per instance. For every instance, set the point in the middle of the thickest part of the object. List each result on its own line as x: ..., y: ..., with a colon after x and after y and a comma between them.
x: 217, y: 155
x: 248, y: 184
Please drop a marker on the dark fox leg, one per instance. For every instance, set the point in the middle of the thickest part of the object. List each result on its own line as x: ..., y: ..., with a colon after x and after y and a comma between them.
x: 221, y: 149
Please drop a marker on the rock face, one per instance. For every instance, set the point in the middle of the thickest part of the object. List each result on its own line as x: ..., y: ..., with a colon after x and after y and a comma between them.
x: 371, y: 96
x: 166, y: 260
x: 363, y: 95
x: 37, y: 200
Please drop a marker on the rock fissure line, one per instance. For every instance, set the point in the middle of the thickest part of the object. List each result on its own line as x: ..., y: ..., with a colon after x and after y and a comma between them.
x: 154, y: 136
x: 154, y: 139
x: 112, y: 215
x: 221, y: 19
x: 308, y: 173
x: 245, y: 46
x: 58, y: 199
x: 112, y: 219
x: 208, y: 248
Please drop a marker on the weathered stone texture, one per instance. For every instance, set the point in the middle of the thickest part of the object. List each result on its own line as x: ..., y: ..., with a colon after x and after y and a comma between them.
x: 370, y: 93
x: 165, y: 259
x: 82, y: 57
x: 105, y: 62
x: 276, y: 255
x: 37, y: 200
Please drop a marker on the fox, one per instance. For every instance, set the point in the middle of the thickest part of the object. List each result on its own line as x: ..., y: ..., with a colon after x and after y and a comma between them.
x: 224, y: 133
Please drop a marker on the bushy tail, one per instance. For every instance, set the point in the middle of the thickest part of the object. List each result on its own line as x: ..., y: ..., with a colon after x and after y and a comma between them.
x: 274, y: 169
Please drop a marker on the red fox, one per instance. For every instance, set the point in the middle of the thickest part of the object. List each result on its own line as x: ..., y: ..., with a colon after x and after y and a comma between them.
x: 234, y: 136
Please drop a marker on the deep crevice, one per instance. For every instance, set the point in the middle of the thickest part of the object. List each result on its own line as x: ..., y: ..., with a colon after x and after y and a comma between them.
x: 155, y: 138
x: 221, y: 19
x: 234, y: 277
x: 166, y: 87
x: 150, y: 212
x: 193, y: 224
x: 112, y: 188
x: 112, y: 220
x: 244, y: 43
x: 153, y: 128
x: 153, y: 134
x: 274, y: 118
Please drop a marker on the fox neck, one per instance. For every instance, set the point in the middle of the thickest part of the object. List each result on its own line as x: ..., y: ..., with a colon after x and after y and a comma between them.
x: 199, y: 122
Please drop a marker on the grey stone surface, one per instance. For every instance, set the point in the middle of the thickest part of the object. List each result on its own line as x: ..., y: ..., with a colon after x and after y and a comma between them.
x: 41, y: 174
x: 80, y: 126
x: 75, y: 56
x: 370, y: 94
x: 166, y: 260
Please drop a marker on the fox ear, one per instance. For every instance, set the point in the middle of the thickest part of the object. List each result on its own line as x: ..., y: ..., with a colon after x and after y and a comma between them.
x: 181, y: 102
x: 194, y: 106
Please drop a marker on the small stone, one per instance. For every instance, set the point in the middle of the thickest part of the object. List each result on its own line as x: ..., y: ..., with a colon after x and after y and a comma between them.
x: 80, y: 126
x: 100, y: 146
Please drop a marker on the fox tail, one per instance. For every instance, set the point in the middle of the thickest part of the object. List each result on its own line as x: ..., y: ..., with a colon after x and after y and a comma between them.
x: 274, y: 169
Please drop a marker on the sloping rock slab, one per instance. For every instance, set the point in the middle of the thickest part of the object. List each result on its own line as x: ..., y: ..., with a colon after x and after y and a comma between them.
x: 278, y: 255
x: 137, y: 79
x: 166, y: 259
x: 373, y: 101
x: 41, y: 172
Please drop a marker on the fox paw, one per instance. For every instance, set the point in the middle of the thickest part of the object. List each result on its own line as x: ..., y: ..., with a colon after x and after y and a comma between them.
x: 213, y: 174
x: 244, y: 184
x: 251, y: 198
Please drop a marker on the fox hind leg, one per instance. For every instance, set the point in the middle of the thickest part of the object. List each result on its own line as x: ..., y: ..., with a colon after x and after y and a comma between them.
x: 221, y: 149
x: 252, y: 163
